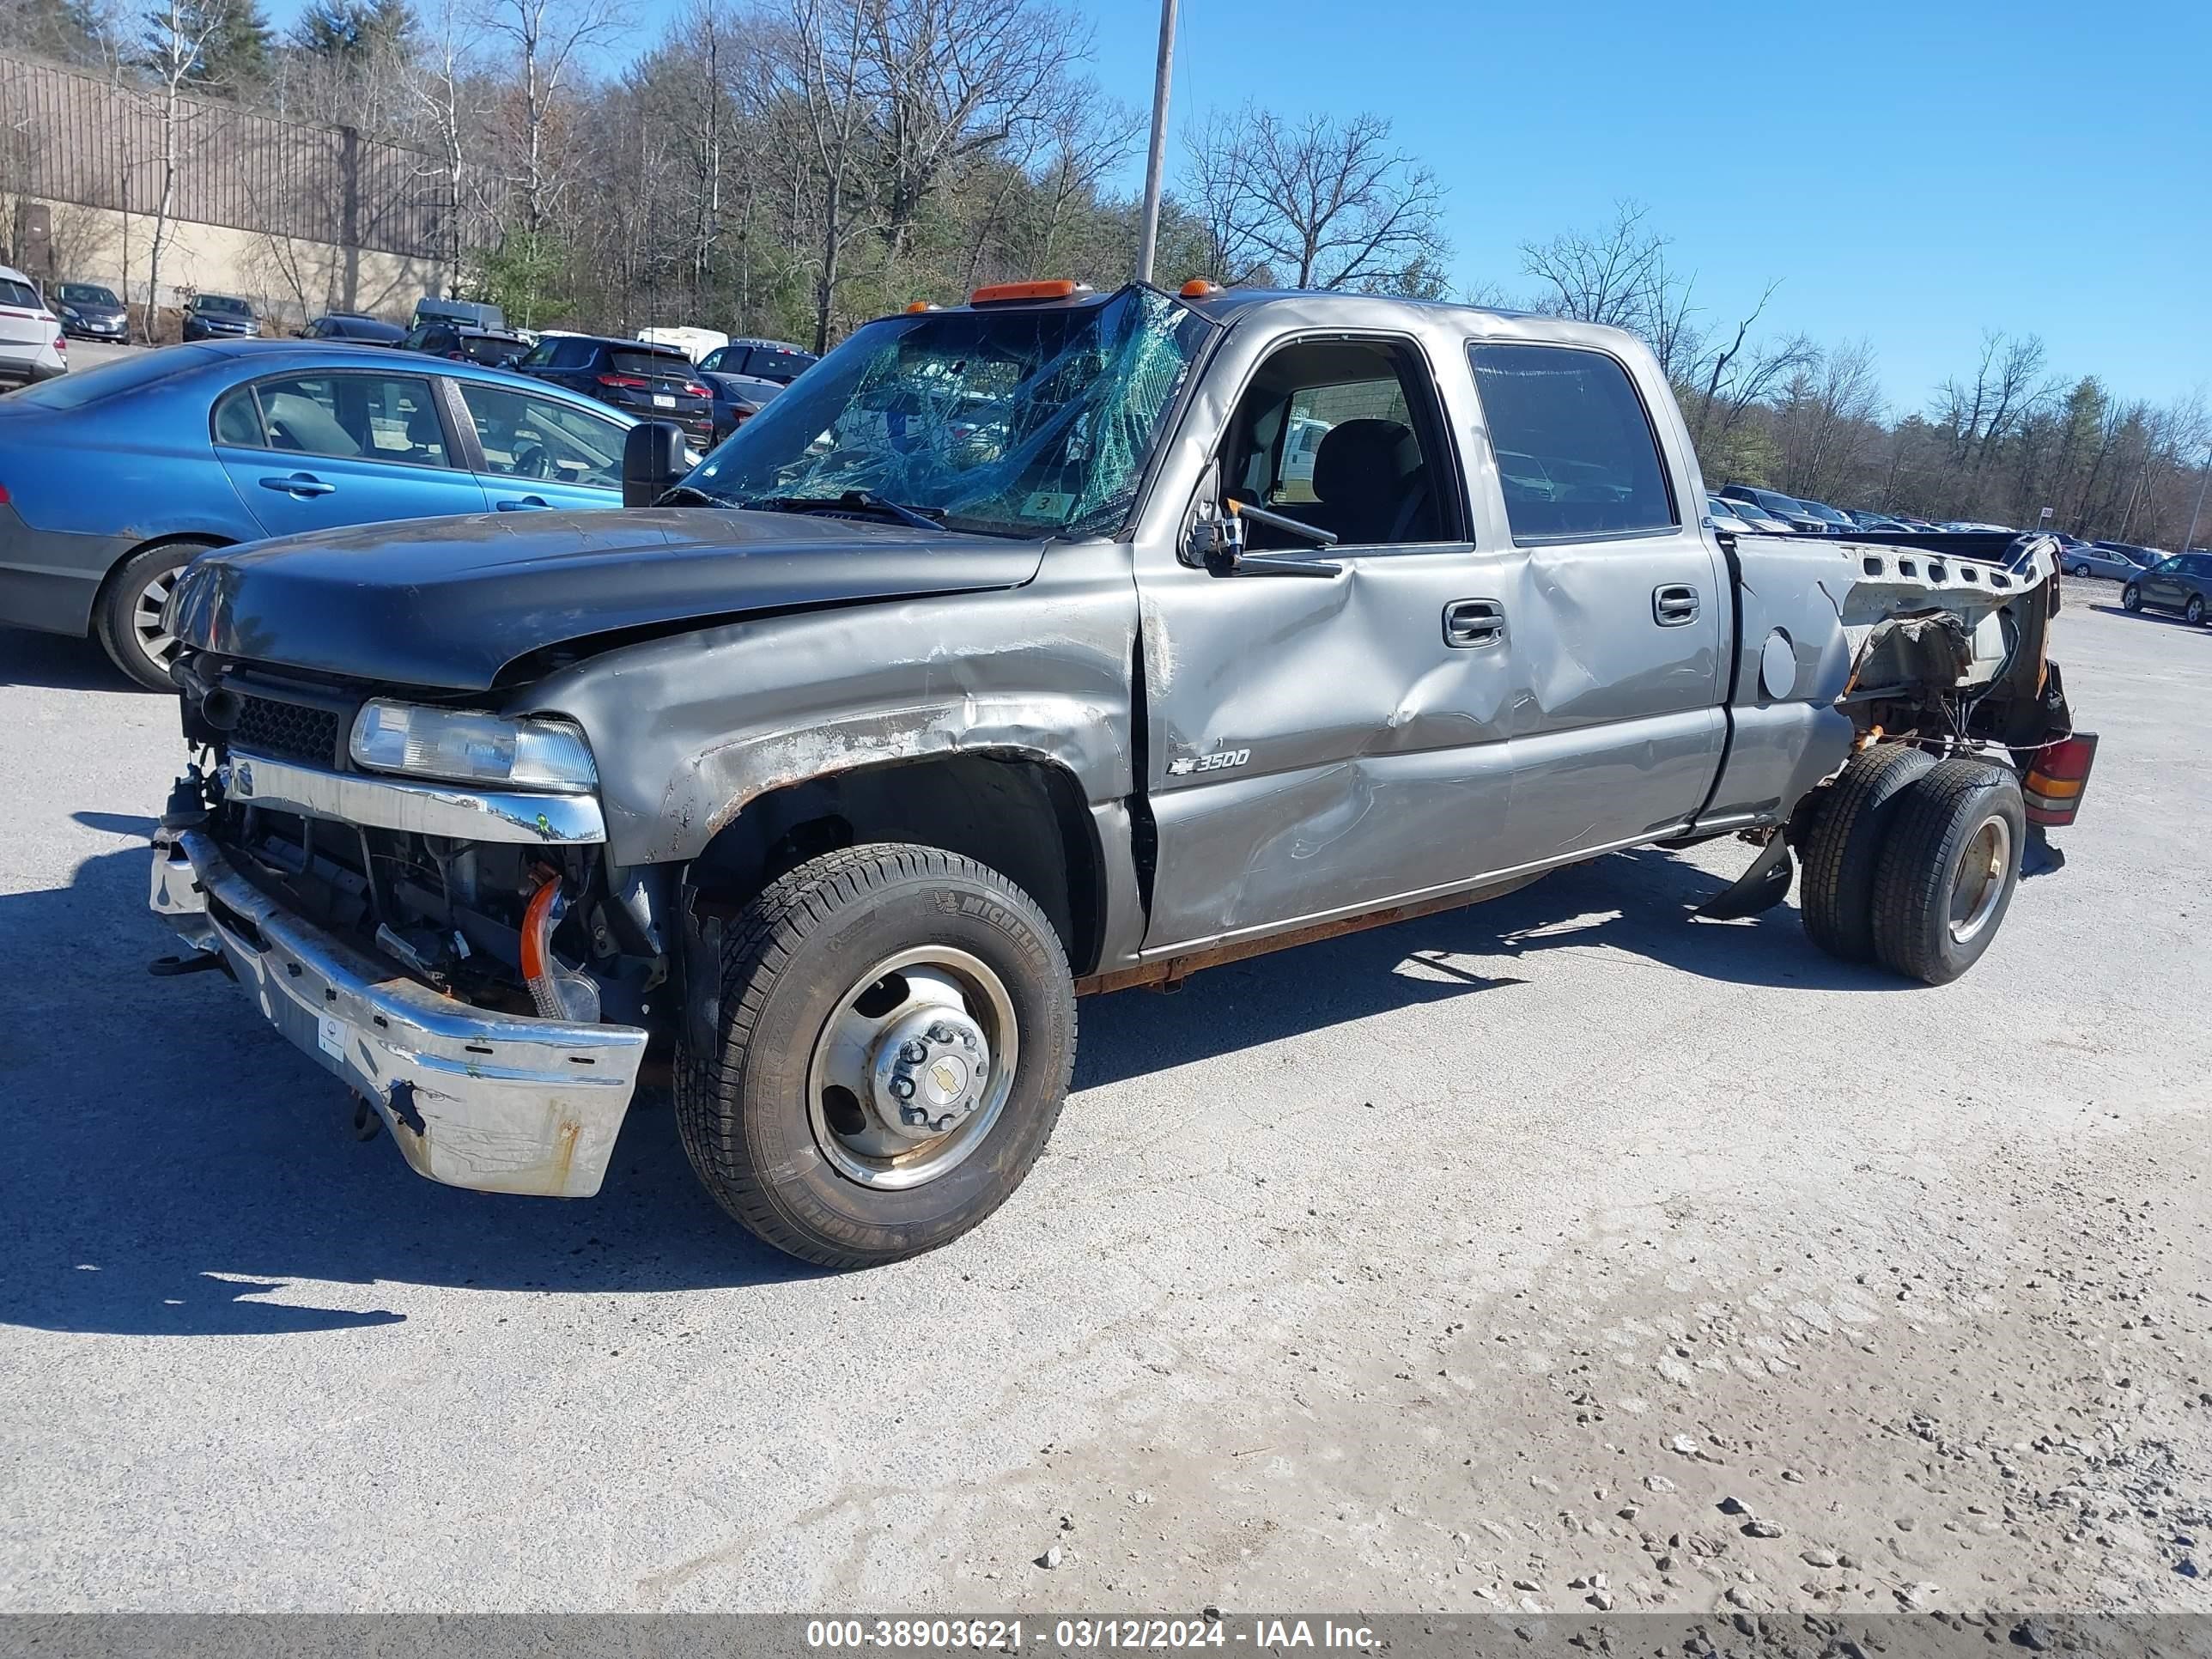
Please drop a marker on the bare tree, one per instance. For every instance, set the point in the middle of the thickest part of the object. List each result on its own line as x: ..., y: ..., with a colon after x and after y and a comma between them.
x: 440, y: 92
x: 547, y: 37
x: 825, y: 73
x: 177, y: 37
x: 1317, y: 202
x: 954, y: 80
x: 1826, y: 420
x: 1616, y: 275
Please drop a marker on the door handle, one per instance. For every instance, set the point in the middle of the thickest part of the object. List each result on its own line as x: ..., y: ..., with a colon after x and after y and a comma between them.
x: 521, y: 503
x: 1674, y: 603
x: 1470, y: 622
x: 299, y: 484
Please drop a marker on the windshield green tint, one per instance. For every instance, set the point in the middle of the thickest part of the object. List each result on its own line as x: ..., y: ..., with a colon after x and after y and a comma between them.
x: 1024, y: 421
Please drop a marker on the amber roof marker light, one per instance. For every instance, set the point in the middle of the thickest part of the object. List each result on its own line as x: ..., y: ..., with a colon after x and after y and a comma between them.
x: 1008, y: 294
x: 1199, y: 288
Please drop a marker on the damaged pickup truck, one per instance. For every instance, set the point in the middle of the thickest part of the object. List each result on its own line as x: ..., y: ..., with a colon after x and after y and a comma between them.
x: 1054, y: 643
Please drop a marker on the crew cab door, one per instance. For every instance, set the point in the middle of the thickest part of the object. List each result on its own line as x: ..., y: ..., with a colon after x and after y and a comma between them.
x: 1615, y: 603
x: 1320, y: 743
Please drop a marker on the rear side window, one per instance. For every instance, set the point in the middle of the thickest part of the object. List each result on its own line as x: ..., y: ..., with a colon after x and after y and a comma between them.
x: 12, y: 293
x: 770, y: 363
x: 1576, y: 453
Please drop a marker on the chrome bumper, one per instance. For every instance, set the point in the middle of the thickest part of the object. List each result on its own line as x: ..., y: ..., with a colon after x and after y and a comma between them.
x: 494, y: 1102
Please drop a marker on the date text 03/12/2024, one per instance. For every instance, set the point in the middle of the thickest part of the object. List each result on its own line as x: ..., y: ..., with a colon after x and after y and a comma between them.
x: 1077, y: 1634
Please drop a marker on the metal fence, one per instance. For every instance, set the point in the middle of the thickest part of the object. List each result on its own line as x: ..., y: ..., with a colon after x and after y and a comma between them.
x: 66, y: 136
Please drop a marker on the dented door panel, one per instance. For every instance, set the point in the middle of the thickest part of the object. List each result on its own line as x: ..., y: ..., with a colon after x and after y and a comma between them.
x: 1322, y: 744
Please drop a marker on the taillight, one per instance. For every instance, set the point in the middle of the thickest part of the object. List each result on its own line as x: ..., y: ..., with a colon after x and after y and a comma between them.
x: 691, y: 389
x: 2053, y: 789
x: 627, y: 382
x: 4, y: 494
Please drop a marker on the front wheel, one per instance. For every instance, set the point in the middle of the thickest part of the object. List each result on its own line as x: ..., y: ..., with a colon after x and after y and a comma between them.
x: 2193, y: 613
x: 1948, y: 869
x: 2132, y: 597
x: 128, y: 618
x: 893, y: 1040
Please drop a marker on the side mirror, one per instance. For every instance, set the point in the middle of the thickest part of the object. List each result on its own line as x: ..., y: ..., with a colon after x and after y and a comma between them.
x: 1216, y: 543
x: 652, y: 460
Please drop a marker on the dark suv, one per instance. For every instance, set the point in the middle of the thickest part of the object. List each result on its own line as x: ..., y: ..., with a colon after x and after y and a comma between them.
x: 759, y: 360
x: 494, y: 349
x: 2182, y: 583
x: 220, y: 317
x: 652, y: 382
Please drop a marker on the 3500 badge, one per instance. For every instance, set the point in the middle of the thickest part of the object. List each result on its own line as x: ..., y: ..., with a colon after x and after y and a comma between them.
x: 1219, y: 761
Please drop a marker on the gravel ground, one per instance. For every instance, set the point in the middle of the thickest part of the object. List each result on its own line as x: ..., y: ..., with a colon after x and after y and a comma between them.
x: 1564, y: 1253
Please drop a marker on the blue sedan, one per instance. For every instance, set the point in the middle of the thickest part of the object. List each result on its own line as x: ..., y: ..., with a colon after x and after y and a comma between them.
x: 112, y: 478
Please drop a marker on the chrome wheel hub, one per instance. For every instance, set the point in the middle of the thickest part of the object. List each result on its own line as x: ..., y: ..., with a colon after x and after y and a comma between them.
x: 1979, y: 882
x: 928, y: 1070
x: 913, y: 1067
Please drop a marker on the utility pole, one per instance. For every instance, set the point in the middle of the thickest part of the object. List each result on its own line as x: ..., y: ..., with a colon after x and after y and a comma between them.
x: 1148, y: 235
x: 2197, y: 512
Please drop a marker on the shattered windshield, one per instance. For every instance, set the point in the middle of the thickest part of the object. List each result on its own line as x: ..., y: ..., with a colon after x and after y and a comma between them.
x: 1020, y: 421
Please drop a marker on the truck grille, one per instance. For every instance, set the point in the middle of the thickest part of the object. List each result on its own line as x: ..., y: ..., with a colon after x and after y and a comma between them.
x: 287, y: 730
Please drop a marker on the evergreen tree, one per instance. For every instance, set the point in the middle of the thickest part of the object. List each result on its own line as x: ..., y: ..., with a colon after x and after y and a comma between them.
x: 231, y: 42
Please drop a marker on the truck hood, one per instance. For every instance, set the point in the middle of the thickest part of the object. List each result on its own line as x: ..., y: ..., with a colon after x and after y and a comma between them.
x: 450, y: 602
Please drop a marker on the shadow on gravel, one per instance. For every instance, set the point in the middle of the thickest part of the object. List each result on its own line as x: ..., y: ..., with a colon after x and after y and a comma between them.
x: 1637, y: 901
x: 172, y: 1160
x: 59, y: 663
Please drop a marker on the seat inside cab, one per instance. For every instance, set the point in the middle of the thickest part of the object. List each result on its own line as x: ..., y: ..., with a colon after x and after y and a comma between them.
x: 1338, y: 434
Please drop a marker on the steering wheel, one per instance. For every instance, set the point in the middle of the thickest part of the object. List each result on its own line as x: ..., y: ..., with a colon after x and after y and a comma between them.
x: 535, y: 462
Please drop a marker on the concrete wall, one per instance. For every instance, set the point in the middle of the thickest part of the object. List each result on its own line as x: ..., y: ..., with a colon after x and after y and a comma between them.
x: 292, y: 279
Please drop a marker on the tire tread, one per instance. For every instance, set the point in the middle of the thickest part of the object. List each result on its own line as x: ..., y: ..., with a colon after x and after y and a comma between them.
x: 759, y: 950
x: 1911, y: 878
x: 1835, y: 897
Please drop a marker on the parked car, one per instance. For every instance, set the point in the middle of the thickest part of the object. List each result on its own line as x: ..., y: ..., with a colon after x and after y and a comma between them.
x: 1784, y: 509
x: 474, y: 345
x: 90, y: 312
x: 1863, y: 519
x: 2141, y: 557
x: 1754, y: 517
x: 113, y: 478
x: 31, y: 343
x: 760, y: 360
x: 839, y: 782
x: 221, y: 317
x: 2182, y: 583
x: 644, y: 381
x: 1833, y: 520
x: 467, y: 314
x: 2078, y: 557
x: 355, y: 325
x: 1958, y: 526
x: 737, y: 398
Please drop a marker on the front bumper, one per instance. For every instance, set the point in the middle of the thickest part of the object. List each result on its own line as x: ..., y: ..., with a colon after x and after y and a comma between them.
x: 497, y: 1102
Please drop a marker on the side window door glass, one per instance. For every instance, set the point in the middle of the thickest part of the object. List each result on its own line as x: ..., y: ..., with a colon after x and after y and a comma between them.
x: 367, y: 417
x: 542, y: 440
x: 1576, y: 457
x: 1338, y: 434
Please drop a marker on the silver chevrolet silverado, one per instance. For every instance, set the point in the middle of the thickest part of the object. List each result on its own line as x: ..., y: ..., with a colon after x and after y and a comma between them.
x: 1054, y: 643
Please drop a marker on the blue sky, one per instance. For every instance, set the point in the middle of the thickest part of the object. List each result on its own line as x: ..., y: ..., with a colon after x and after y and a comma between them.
x: 1913, y: 173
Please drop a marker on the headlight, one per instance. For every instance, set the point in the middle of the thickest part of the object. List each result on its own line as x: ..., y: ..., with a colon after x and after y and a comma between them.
x: 466, y: 747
